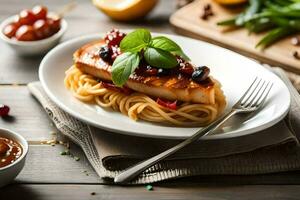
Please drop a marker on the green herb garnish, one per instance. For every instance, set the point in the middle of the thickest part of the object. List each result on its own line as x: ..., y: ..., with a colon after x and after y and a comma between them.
x: 149, y: 187
x: 135, y: 41
x: 66, y: 152
x: 76, y: 158
x: 157, y: 51
x: 159, y: 58
x: 123, y: 66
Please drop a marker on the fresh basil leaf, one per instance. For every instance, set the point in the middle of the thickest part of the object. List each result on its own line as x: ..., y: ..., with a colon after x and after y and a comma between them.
x: 167, y: 44
x: 164, y: 43
x: 160, y: 58
x: 135, y: 41
x: 123, y: 67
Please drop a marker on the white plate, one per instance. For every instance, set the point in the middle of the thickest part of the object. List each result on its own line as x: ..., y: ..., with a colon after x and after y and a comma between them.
x: 235, y: 72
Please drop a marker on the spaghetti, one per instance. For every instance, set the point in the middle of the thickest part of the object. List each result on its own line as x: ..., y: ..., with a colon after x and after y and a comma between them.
x: 140, y: 106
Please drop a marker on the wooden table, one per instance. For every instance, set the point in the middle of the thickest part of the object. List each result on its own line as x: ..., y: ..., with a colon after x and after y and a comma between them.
x: 48, y: 175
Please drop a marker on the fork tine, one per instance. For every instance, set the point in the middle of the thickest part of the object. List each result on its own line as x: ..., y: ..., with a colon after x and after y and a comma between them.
x: 260, y: 96
x: 252, y: 92
x: 245, y: 94
x: 251, y: 100
x: 264, y: 98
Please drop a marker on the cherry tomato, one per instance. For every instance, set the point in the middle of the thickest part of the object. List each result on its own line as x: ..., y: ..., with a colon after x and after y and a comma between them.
x: 42, y: 29
x: 25, y: 33
x: 114, y: 37
x: 26, y: 17
x: 151, y: 71
x: 111, y: 86
x: 10, y: 29
x: 40, y: 12
x: 186, y: 69
x: 167, y: 104
x: 17, y: 20
x: 54, y: 23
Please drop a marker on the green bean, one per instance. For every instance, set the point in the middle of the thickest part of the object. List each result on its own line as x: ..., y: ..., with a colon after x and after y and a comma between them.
x: 294, y: 6
x: 260, y: 25
x: 274, y: 35
x: 293, y: 10
x: 284, y: 22
x: 282, y: 2
x: 253, y: 8
x: 227, y: 22
x: 280, y: 17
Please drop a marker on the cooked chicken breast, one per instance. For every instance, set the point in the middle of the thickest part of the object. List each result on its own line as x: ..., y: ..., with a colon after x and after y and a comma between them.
x: 171, y: 87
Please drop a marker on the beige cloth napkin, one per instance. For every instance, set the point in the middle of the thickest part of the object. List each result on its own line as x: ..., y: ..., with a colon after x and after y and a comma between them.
x: 272, y: 150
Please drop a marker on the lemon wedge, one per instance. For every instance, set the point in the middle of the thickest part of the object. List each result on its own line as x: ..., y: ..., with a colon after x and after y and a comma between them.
x: 125, y: 10
x: 230, y: 2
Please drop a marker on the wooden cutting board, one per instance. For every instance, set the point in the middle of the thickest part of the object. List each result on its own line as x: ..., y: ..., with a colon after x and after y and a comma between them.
x: 187, y: 21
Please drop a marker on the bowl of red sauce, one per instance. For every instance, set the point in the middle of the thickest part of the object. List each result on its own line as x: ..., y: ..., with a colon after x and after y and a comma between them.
x: 33, y: 31
x: 13, y: 151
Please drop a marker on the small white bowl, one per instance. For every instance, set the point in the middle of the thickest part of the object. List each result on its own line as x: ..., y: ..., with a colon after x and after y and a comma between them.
x: 9, y: 172
x: 30, y: 48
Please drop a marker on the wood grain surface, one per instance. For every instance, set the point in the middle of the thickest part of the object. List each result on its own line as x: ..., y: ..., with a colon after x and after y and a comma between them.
x: 86, y: 192
x: 50, y: 176
x: 188, y: 21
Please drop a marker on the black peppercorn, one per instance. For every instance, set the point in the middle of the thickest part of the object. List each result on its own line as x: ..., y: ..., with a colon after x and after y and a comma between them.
x: 207, y: 12
x: 296, y: 55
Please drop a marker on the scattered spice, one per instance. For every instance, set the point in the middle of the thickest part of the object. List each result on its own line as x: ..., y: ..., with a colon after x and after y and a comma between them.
x: 86, y: 172
x: 93, y: 193
x: 53, y: 133
x: 207, y: 7
x: 295, y: 41
x: 76, y: 158
x: 66, y: 152
x: 207, y: 12
x: 296, y: 55
x: 149, y: 187
x: 53, y: 141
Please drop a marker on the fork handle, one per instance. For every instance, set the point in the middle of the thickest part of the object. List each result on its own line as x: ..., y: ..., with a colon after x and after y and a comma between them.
x: 132, y: 172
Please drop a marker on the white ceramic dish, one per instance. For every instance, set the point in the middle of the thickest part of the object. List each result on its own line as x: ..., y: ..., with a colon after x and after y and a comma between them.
x: 31, y: 48
x: 235, y: 72
x: 9, y: 172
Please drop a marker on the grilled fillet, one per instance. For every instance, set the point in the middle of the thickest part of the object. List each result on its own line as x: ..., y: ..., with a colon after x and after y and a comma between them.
x: 167, y: 87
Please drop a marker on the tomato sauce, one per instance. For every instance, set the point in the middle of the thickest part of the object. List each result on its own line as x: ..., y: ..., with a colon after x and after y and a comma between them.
x: 10, y: 151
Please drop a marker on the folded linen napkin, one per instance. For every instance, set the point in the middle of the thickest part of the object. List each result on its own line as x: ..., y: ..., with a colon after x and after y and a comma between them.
x: 272, y: 150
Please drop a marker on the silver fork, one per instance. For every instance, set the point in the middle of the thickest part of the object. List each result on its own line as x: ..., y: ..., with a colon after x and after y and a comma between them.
x: 251, y: 101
